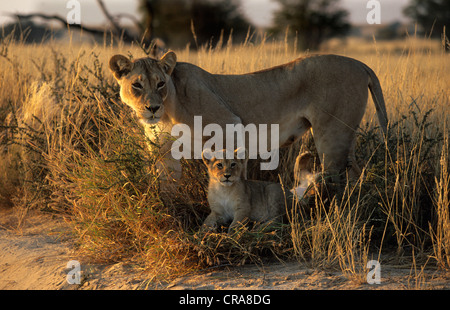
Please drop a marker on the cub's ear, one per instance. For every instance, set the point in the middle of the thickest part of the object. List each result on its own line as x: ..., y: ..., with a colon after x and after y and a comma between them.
x: 241, y: 153
x: 304, y: 161
x: 208, y: 156
x: 120, y: 66
x: 168, y: 62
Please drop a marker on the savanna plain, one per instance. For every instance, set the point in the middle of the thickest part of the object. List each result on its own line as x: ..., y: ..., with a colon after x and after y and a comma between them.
x: 78, y: 181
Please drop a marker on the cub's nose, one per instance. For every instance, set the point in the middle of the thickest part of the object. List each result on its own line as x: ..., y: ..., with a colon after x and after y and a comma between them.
x: 227, y: 176
x: 152, y: 109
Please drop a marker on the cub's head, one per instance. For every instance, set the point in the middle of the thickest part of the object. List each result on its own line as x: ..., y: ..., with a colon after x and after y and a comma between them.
x: 225, y: 168
x: 144, y: 83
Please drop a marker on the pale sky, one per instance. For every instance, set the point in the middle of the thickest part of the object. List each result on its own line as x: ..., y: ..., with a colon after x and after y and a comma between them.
x: 258, y: 11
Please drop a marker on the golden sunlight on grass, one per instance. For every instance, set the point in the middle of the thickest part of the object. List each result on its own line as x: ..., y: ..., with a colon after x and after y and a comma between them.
x: 68, y: 145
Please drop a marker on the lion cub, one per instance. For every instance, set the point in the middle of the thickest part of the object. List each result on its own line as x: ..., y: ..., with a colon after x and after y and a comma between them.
x: 232, y: 197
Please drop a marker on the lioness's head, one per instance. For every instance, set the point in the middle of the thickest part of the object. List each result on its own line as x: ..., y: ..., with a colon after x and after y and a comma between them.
x: 227, y: 170
x: 144, y: 83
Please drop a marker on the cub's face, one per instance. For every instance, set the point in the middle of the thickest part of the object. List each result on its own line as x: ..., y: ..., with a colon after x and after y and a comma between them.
x: 144, y: 84
x: 225, y: 172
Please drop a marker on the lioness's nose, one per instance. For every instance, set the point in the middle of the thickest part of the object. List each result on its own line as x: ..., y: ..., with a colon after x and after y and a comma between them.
x: 152, y: 109
x: 227, y: 175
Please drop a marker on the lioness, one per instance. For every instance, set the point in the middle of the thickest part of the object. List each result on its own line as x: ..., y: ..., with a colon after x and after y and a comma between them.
x: 233, y: 198
x: 327, y: 93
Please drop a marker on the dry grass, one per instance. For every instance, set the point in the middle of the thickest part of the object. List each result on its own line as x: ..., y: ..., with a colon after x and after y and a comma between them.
x: 68, y: 145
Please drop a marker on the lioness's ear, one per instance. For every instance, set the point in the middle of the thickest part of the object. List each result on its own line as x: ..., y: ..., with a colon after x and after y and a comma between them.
x: 208, y: 157
x: 120, y: 66
x: 168, y: 61
x: 241, y: 153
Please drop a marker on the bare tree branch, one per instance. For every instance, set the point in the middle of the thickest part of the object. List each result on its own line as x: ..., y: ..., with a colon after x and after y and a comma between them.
x: 131, y: 17
x: 119, y: 30
x: 154, y: 46
x: 60, y: 19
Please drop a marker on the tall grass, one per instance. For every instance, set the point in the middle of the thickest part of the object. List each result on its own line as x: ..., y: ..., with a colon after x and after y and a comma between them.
x: 68, y: 145
x: 440, y: 233
x: 334, y: 234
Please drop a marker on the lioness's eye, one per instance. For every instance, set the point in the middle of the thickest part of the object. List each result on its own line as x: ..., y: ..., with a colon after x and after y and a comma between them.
x: 136, y: 85
x: 161, y: 84
x: 219, y: 166
x: 233, y: 165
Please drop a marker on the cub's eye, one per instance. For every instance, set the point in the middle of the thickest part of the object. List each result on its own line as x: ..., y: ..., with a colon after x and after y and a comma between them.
x: 233, y: 165
x: 219, y: 166
x: 161, y: 84
x: 137, y: 85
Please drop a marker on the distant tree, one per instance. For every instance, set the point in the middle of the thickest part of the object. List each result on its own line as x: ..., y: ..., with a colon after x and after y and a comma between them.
x: 26, y: 31
x: 390, y: 31
x: 431, y: 16
x: 210, y: 18
x: 172, y: 20
x: 313, y: 21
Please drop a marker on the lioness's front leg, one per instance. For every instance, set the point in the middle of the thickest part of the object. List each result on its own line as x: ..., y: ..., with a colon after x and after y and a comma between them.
x: 167, y: 168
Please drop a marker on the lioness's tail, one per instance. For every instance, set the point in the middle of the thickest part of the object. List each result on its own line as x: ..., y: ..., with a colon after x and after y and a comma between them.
x: 378, y: 99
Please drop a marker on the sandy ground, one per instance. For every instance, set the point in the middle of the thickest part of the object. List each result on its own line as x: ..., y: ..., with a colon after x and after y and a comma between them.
x: 35, y: 257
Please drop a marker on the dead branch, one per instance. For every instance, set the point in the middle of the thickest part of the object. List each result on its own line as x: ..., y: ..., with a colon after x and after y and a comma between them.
x: 57, y: 18
x: 118, y: 30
